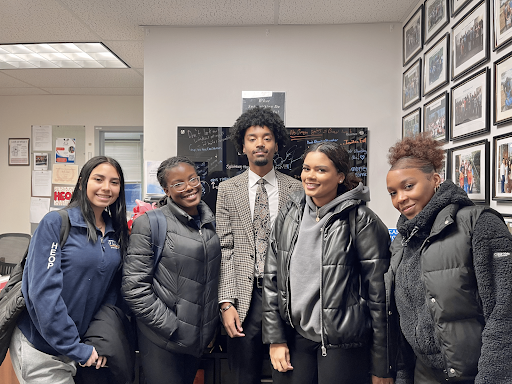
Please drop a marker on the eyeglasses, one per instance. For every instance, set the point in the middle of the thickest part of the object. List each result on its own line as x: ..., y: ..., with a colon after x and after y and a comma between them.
x: 182, y: 186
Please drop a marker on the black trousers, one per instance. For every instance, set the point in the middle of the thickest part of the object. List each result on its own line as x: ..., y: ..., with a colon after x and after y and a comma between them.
x: 164, y: 367
x: 246, y: 353
x: 340, y: 366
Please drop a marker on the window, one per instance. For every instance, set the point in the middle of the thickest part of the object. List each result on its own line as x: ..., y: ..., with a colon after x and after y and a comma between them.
x: 126, y: 147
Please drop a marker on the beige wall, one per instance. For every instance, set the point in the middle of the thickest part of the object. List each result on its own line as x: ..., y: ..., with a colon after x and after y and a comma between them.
x: 19, y: 113
x: 340, y: 75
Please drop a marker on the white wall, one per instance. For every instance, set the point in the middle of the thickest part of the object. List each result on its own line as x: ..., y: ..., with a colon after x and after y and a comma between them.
x: 341, y: 75
x: 19, y: 113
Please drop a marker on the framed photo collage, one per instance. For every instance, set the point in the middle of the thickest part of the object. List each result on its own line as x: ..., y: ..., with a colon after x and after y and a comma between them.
x: 457, y: 87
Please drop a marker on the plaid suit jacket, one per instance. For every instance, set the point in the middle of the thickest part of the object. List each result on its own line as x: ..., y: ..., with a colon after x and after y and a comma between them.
x: 235, y: 230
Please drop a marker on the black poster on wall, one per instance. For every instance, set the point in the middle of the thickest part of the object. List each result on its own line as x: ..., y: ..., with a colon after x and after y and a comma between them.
x: 217, y: 160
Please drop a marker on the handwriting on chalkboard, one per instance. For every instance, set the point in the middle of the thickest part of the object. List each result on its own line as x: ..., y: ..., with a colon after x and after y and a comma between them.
x: 217, y: 159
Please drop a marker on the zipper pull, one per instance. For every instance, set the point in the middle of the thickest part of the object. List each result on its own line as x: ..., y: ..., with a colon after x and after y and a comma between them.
x: 200, y: 233
x: 413, y: 232
x: 324, y: 351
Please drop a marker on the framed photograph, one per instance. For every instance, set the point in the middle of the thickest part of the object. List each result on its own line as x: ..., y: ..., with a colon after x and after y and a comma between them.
x: 470, y: 106
x: 443, y: 172
x: 435, y: 63
x: 470, y: 40
x: 19, y: 151
x: 503, y: 90
x: 502, y: 23
x: 435, y: 117
x: 413, y: 36
x: 502, y: 161
x: 458, y: 6
x: 508, y: 220
x: 411, y: 85
x: 411, y: 123
x: 470, y: 170
x: 436, y: 17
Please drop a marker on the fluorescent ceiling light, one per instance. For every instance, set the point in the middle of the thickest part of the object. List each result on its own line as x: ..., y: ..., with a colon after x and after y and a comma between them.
x: 58, y: 55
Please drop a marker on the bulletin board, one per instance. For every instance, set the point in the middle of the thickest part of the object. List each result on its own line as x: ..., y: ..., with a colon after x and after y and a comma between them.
x: 76, y: 132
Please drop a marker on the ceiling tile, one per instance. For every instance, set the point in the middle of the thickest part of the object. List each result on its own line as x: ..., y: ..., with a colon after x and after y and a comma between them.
x: 21, y: 91
x: 343, y: 12
x: 77, y: 78
x: 96, y: 91
x: 10, y: 82
x: 131, y: 52
x: 28, y: 21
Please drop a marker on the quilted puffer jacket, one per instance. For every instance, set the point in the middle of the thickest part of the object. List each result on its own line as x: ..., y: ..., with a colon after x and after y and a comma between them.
x: 352, y: 293
x: 176, y: 306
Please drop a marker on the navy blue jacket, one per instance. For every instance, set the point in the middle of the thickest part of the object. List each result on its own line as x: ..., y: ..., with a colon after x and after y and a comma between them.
x: 64, y: 288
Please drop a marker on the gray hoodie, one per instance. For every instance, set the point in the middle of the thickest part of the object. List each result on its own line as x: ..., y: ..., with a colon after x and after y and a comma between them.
x: 306, y: 263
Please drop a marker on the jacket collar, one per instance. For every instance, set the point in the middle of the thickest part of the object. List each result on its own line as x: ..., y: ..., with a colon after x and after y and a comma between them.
x: 76, y: 219
x: 299, y: 198
x: 444, y: 218
x: 205, y: 212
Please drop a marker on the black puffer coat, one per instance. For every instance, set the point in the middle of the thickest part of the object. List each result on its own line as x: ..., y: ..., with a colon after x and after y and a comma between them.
x: 466, y: 264
x: 177, y: 307
x: 353, y: 313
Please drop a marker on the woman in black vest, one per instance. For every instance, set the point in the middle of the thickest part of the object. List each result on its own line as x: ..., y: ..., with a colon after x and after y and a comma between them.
x: 175, y: 302
x: 449, y: 277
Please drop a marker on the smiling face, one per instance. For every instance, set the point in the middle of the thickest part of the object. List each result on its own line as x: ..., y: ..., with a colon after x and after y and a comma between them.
x: 190, y: 198
x: 320, y: 178
x: 260, y: 146
x: 103, y: 187
x: 411, y: 189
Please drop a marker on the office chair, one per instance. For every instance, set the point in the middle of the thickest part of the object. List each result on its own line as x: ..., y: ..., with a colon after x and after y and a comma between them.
x: 12, y: 248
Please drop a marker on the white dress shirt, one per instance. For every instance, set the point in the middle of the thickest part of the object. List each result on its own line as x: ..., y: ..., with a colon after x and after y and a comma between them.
x: 272, y: 192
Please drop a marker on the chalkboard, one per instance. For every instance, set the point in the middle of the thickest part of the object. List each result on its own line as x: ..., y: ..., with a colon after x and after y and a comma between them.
x: 217, y: 160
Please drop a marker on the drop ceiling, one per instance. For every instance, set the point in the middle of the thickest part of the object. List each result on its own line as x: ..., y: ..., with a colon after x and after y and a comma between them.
x: 118, y: 24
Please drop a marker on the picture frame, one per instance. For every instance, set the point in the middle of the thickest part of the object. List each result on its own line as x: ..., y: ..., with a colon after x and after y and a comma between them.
x: 411, y: 123
x: 19, y: 151
x: 412, y: 41
x: 443, y: 172
x: 411, y: 85
x: 436, y: 18
x: 435, y: 65
x: 508, y: 220
x: 469, y: 110
x: 458, y: 5
x: 502, y: 31
x: 470, y: 170
x: 501, y: 167
x: 470, y: 40
x: 436, y: 117
x: 502, y: 90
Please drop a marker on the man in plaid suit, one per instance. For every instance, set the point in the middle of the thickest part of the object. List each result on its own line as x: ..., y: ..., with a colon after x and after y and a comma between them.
x: 258, y: 133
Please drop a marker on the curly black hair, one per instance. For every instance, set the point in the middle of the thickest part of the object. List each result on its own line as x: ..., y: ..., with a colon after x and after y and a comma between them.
x: 418, y: 151
x: 262, y: 117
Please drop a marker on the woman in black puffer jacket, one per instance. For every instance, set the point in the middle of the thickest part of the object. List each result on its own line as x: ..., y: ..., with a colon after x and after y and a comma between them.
x: 449, y: 287
x: 323, y: 295
x: 175, y: 302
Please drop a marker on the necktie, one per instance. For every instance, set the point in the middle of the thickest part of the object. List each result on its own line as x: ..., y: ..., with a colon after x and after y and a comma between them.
x: 261, y: 224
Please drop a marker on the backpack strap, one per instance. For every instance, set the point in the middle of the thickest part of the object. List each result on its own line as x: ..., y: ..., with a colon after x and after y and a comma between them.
x: 64, y: 227
x: 158, y: 227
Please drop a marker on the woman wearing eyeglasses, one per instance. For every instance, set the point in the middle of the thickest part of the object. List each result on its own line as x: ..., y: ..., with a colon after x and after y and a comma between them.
x: 175, y: 302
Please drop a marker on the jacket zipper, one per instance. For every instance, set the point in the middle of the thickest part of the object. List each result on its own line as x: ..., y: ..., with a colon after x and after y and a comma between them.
x: 205, y: 276
x: 289, y: 309
x: 322, y: 232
